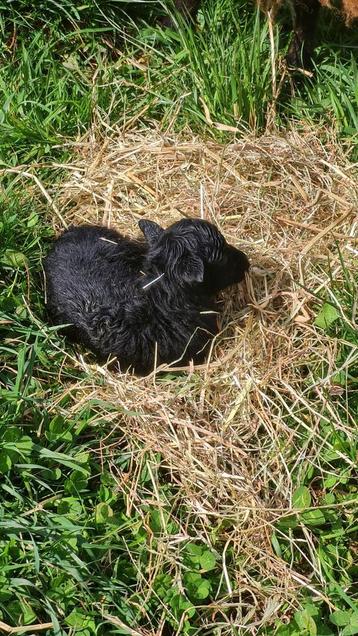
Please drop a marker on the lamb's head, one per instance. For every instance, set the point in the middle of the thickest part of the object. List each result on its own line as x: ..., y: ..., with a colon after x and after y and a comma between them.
x: 193, y: 252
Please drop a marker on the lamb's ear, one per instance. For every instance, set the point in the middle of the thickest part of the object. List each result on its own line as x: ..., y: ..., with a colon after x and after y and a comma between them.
x: 190, y: 269
x: 151, y: 230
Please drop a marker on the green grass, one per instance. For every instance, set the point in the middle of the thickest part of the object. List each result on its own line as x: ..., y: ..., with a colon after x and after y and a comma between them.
x: 333, y: 93
x: 220, y: 70
x: 71, y: 544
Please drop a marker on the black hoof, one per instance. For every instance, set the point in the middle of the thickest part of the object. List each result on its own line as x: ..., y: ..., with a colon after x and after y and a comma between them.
x: 166, y: 22
x: 300, y: 55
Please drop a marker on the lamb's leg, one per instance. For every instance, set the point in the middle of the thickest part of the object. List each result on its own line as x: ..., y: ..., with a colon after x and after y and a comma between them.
x: 188, y: 8
x: 304, y: 28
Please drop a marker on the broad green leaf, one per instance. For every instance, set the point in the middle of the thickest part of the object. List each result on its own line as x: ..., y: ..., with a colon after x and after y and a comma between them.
x: 329, y: 498
x: 82, y: 458
x: 197, y: 586
x: 180, y: 604
x: 21, y: 582
x: 207, y: 561
x: 28, y: 614
x: 6, y: 594
x: 79, y: 620
x: 59, y: 430
x: 288, y: 630
x: 5, y: 462
x: 11, y: 434
x: 156, y: 521
x: 21, y: 612
x: 354, y: 619
x: 339, y: 378
x: 326, y: 316
x: 70, y: 508
x: 192, y: 578
x: 24, y: 445
x: 350, y: 630
x: 306, y: 623
x: 340, y: 618
x: 291, y: 521
x: 103, y: 512
x: 14, y: 258
x: 313, y: 518
x: 203, y: 590
x: 330, y: 481
x: 275, y: 544
x: 301, y: 498
x: 193, y: 549
x: 75, y: 483
x: 32, y: 220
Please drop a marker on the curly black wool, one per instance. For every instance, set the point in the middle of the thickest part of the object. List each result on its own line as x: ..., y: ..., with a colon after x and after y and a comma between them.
x: 142, y: 302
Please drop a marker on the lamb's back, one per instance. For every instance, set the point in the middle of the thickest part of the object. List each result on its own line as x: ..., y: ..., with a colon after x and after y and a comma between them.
x: 90, y: 269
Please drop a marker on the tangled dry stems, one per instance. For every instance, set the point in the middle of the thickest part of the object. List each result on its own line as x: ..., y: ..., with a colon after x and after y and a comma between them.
x: 232, y: 432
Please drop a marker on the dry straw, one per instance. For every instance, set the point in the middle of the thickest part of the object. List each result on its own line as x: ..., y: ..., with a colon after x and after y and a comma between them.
x: 231, y: 432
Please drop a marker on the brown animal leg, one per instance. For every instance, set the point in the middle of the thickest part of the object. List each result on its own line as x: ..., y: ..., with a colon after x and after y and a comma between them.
x: 302, y: 45
x: 188, y: 8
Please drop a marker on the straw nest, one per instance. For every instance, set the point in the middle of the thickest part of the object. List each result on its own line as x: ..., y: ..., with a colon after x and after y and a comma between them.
x: 230, y: 432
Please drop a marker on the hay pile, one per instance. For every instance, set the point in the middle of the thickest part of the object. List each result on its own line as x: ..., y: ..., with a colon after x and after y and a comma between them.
x: 230, y: 431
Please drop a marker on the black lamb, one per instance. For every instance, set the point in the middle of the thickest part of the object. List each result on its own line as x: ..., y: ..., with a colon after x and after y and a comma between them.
x: 142, y: 302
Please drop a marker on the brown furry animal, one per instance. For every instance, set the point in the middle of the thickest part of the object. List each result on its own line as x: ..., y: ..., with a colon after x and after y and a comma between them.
x: 304, y: 27
x: 305, y: 18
